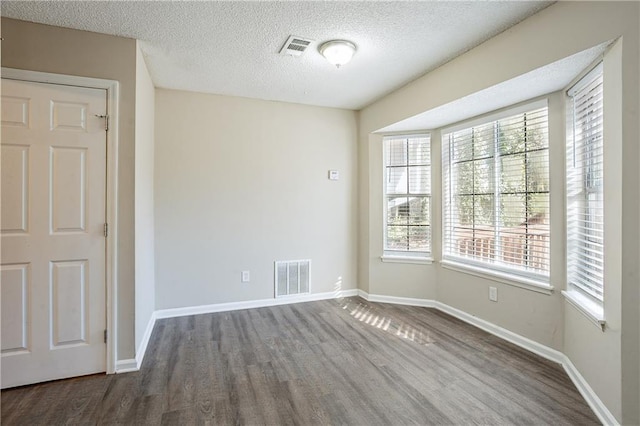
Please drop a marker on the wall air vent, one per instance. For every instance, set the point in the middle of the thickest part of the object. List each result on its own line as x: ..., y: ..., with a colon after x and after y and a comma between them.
x: 295, y: 46
x: 292, y: 277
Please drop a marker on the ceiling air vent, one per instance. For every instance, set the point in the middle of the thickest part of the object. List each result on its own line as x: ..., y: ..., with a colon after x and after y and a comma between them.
x: 295, y: 46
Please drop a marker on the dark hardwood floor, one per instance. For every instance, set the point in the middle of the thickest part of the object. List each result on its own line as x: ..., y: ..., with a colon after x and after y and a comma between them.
x: 343, y: 361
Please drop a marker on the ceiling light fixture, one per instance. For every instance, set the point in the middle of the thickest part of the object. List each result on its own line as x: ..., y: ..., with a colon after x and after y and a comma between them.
x: 338, y: 52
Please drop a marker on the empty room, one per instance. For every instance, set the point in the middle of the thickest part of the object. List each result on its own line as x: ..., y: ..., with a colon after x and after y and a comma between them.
x: 320, y: 212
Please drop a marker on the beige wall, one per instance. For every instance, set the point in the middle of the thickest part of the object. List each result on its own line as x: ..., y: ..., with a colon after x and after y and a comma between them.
x: 44, y: 48
x: 144, y: 215
x: 241, y: 183
x: 609, y: 361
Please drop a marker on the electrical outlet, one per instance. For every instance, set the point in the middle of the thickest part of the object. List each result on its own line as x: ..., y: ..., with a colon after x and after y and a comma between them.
x: 246, y: 277
x: 493, y: 294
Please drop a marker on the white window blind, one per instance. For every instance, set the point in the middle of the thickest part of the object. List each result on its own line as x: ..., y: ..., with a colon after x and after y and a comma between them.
x: 496, y: 194
x: 585, y: 200
x: 407, y: 194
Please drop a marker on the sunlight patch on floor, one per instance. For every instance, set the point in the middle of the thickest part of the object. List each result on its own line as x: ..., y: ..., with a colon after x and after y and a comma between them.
x: 368, y: 315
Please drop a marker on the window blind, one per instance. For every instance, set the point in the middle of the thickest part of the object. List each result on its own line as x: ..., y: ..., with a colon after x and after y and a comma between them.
x: 407, y: 193
x: 496, y: 194
x: 585, y: 196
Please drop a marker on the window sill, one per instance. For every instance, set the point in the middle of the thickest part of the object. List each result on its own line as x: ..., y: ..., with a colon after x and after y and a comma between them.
x: 399, y: 258
x: 590, y: 309
x: 502, y: 277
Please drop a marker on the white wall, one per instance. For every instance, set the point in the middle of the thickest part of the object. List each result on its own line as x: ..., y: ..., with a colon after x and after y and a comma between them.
x: 241, y: 183
x: 144, y: 209
x: 609, y: 361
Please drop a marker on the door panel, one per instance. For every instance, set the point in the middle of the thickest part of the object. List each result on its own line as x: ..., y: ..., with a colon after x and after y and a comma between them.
x: 15, y: 111
x: 69, y: 303
x: 53, y: 248
x: 15, y: 308
x: 68, y: 116
x: 68, y: 189
x: 14, y: 188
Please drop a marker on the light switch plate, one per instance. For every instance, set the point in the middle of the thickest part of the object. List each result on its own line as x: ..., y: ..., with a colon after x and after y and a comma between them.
x: 493, y: 294
x: 334, y: 175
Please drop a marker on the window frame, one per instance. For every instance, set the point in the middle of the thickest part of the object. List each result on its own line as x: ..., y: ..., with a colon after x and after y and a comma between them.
x: 583, y: 300
x: 497, y: 272
x: 406, y: 256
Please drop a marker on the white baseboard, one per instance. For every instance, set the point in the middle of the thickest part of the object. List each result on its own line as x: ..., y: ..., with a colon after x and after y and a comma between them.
x: 142, y: 348
x: 528, y: 344
x: 596, y: 404
x: 604, y: 415
x: 126, y: 366
x: 251, y: 304
x: 426, y: 303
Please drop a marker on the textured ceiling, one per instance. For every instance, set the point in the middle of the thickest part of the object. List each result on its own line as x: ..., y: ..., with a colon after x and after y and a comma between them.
x: 231, y: 48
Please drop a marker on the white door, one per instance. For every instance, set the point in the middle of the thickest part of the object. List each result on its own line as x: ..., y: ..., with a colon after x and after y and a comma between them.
x: 52, y: 272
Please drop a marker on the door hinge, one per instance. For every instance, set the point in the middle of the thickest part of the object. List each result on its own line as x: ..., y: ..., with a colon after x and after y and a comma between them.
x: 105, y: 336
x: 106, y: 230
x: 106, y: 120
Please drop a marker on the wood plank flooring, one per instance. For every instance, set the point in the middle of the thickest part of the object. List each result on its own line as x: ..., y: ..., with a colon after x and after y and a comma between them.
x: 343, y: 361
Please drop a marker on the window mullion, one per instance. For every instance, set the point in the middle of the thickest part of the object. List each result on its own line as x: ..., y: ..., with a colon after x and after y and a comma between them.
x: 406, y: 162
x: 473, y: 185
x: 573, y: 123
x: 527, y: 244
x: 497, y: 223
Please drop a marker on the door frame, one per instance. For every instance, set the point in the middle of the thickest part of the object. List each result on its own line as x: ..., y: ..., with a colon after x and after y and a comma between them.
x: 111, y: 253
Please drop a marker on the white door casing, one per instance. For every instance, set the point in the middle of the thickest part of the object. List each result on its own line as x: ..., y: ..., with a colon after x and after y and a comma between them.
x: 53, y: 211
